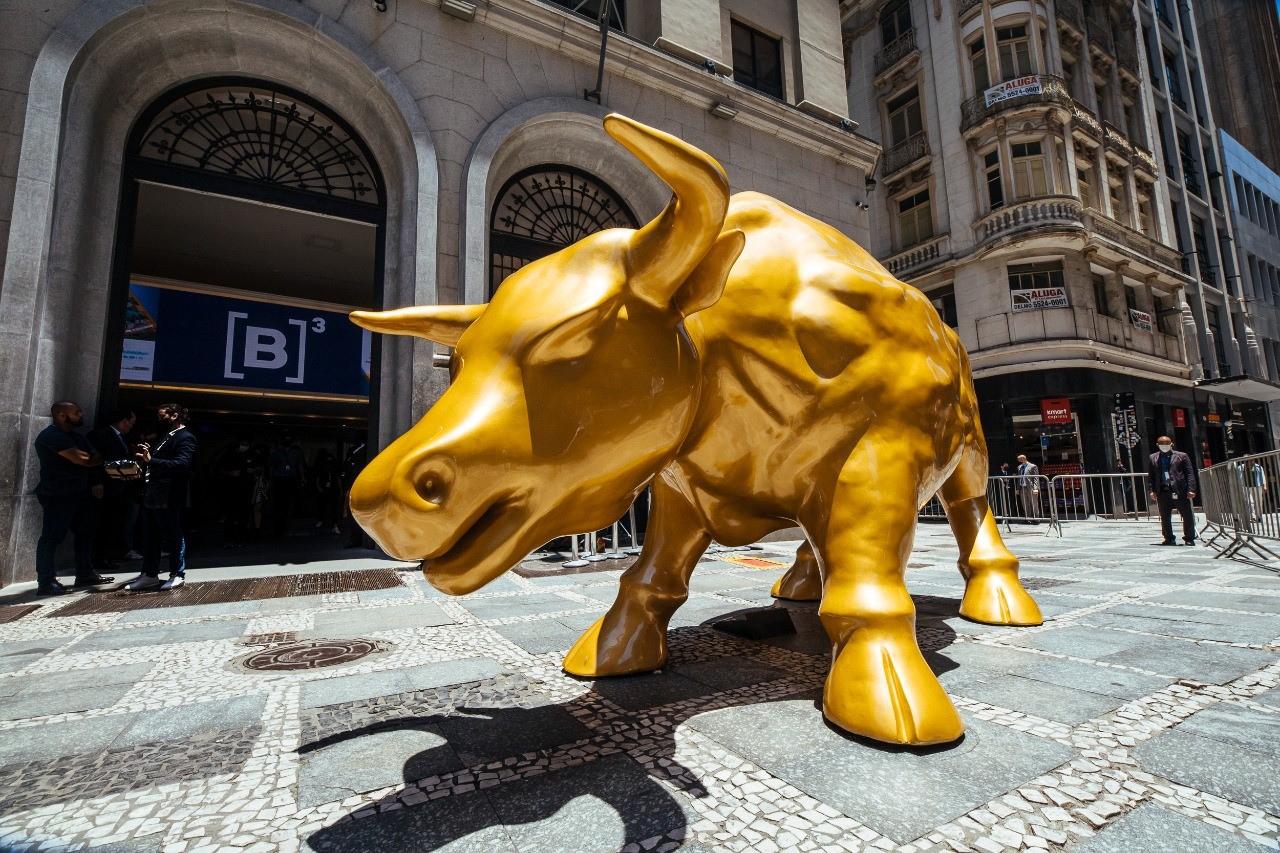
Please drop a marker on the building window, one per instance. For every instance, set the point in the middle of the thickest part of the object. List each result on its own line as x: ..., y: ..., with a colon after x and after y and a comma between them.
x: 1100, y: 98
x: 1014, y: 48
x: 1164, y: 144
x: 1119, y: 209
x: 1190, y: 171
x: 1028, y: 170
x: 1100, y: 296
x: 944, y: 300
x: 1202, y: 251
x: 1144, y: 214
x: 995, y: 184
x: 895, y: 20
x: 1086, y: 188
x: 1147, y: 41
x: 1069, y: 75
x: 757, y: 60
x: 905, y: 119
x: 542, y: 210
x: 978, y: 62
x: 591, y: 9
x: 1130, y: 299
x: 915, y: 219
x: 1035, y: 276
x: 1172, y: 79
x: 1214, y: 321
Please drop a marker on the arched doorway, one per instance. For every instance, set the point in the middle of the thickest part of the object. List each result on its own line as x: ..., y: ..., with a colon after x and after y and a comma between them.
x: 541, y: 210
x: 251, y: 221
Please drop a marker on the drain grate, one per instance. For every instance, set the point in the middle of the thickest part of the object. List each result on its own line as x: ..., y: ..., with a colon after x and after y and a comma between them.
x: 246, y: 589
x: 275, y: 638
x: 14, y: 612
x: 312, y: 654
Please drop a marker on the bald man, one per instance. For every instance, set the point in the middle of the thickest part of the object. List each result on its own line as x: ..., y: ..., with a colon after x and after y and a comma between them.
x: 66, y: 458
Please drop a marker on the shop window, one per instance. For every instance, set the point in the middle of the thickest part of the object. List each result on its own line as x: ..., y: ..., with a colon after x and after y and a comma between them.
x: 915, y: 219
x: 1029, y: 179
x: 944, y: 300
x: 978, y: 63
x: 1013, y: 46
x: 1100, y: 301
x: 905, y: 118
x: 895, y: 20
x: 757, y: 59
x: 1035, y: 276
x: 995, y: 184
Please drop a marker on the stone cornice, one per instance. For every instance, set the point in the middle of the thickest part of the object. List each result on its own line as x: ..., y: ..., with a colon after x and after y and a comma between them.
x: 579, y: 39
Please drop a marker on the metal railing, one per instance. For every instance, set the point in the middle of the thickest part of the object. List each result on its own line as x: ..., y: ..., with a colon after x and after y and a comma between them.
x: 1066, y: 498
x: 895, y: 50
x: 1240, y: 506
x: 905, y: 153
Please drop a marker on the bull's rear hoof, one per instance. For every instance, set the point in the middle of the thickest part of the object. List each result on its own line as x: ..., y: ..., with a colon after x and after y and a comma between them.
x: 620, y: 652
x: 881, y: 688
x: 997, y: 598
x: 798, y: 586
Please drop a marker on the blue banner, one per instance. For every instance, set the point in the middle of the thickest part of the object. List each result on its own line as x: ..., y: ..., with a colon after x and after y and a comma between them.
x: 180, y: 337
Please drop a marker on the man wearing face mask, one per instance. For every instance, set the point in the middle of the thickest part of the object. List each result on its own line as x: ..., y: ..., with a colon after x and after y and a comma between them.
x: 1173, y: 482
x: 168, y: 476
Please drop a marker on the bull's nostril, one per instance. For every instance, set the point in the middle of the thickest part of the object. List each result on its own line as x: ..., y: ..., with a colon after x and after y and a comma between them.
x: 433, y: 480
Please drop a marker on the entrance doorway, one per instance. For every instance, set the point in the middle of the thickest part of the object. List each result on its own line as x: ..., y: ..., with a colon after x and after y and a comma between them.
x: 251, y: 222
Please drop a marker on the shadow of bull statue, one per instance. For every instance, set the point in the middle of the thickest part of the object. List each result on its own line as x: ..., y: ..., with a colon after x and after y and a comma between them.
x: 760, y: 370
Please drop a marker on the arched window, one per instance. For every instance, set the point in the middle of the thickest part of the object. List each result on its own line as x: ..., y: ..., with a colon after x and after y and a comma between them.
x: 542, y: 210
x: 260, y: 133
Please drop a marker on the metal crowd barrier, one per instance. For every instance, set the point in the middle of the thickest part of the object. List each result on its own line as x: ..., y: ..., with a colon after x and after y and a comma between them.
x: 1240, y: 506
x: 592, y: 552
x: 1015, y: 499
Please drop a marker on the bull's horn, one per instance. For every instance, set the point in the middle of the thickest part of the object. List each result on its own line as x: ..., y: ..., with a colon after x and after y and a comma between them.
x: 443, y: 324
x: 664, y: 252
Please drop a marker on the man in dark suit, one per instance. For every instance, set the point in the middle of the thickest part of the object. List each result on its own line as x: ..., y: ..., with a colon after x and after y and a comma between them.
x: 169, y: 467
x: 1172, y: 480
x: 111, y: 496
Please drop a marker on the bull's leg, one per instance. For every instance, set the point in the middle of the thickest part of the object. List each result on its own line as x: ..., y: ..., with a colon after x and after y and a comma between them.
x: 803, y: 581
x: 879, y: 686
x: 632, y: 636
x: 992, y: 591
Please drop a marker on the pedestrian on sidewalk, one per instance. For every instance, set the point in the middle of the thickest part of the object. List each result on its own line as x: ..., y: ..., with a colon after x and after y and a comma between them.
x: 1029, y: 489
x: 1173, y: 483
x: 169, y: 467
x: 113, y: 495
x: 66, y: 460
x: 288, y: 477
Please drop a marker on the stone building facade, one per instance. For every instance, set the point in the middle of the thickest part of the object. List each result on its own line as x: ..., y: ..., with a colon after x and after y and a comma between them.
x: 416, y: 122
x: 1022, y: 188
x: 1241, y: 42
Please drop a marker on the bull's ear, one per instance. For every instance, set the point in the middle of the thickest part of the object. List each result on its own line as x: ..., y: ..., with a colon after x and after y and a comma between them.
x: 661, y: 255
x: 443, y: 324
x: 704, y: 285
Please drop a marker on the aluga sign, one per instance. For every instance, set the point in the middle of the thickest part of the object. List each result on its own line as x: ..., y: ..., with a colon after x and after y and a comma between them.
x: 1015, y: 88
x: 1038, y: 298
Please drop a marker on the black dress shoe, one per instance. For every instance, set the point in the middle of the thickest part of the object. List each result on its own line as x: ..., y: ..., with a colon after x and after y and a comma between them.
x: 52, y: 588
x: 94, y: 579
x: 1169, y: 542
x: 1189, y: 542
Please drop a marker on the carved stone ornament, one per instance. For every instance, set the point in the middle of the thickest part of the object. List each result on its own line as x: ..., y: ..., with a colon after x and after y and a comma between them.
x: 649, y: 357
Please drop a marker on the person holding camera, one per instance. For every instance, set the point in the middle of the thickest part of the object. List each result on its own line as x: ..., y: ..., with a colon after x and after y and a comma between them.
x: 169, y: 467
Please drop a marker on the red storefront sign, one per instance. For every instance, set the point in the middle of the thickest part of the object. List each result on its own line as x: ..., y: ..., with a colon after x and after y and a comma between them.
x: 1179, y: 417
x: 1055, y: 410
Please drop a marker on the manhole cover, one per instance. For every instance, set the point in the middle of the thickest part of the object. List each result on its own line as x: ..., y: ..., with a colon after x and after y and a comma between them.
x: 312, y: 654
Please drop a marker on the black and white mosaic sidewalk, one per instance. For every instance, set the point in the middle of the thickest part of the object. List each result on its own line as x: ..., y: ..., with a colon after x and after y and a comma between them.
x: 1144, y: 715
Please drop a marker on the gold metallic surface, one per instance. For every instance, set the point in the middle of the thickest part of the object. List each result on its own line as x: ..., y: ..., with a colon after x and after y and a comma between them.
x: 761, y: 370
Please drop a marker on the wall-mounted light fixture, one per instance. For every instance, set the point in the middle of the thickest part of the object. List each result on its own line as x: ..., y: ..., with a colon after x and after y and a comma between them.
x: 723, y: 111
x: 460, y: 9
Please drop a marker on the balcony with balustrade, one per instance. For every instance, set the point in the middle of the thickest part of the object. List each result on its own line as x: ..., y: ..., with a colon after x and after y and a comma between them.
x: 895, y: 52
x: 1048, y: 212
x: 1040, y: 90
x: 1075, y: 332
x: 905, y: 154
x: 920, y: 257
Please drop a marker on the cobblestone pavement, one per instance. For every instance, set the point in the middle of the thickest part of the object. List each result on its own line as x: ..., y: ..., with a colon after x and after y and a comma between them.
x: 1143, y: 715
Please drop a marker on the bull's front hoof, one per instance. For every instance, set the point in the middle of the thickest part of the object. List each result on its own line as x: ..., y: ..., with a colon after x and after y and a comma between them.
x: 881, y: 688
x: 996, y: 597
x: 621, y: 650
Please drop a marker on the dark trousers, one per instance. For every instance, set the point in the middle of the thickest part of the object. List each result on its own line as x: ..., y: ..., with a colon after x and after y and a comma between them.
x: 163, y: 526
x: 110, y: 513
x: 284, y: 490
x: 1183, y: 503
x: 65, y: 514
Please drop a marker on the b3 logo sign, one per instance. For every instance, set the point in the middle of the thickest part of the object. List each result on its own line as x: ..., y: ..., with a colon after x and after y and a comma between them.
x: 268, y: 347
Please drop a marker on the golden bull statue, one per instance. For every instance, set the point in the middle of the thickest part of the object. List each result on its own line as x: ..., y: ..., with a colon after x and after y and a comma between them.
x: 760, y: 370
